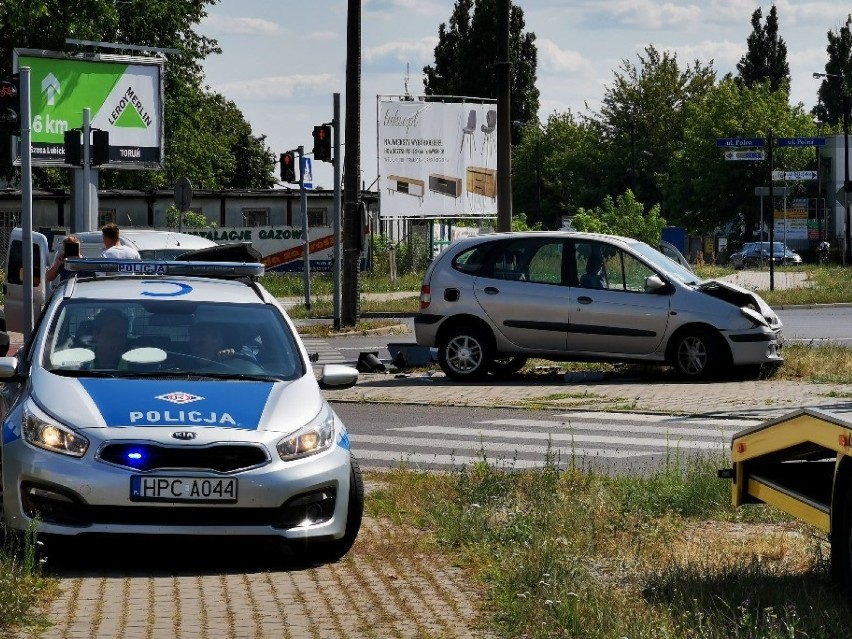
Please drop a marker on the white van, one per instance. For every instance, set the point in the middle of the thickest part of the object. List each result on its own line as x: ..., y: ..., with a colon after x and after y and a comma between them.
x: 151, y: 244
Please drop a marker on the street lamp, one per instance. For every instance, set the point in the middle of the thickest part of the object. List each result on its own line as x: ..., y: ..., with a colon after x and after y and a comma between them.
x: 845, y: 102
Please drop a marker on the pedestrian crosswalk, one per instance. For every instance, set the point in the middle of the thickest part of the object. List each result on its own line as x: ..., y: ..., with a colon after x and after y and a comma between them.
x: 565, y: 439
x: 324, y: 352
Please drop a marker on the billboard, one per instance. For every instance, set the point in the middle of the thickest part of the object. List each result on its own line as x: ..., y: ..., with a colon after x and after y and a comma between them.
x: 124, y: 95
x: 437, y: 159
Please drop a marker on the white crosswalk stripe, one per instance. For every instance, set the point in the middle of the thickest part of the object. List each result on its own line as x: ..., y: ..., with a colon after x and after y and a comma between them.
x: 567, y: 439
x: 326, y: 353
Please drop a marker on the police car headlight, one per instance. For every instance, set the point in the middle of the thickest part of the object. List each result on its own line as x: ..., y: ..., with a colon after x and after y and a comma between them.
x: 313, y: 438
x: 51, y: 436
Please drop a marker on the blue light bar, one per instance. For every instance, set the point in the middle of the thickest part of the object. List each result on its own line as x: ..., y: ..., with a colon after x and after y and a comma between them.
x: 162, y: 267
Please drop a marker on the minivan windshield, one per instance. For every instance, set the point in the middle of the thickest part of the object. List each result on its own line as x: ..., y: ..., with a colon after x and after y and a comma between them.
x: 664, y: 264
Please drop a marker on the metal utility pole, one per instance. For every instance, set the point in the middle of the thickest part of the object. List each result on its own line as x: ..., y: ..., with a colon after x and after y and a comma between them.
x: 336, y: 250
x: 504, y: 119
x: 352, y: 167
x: 771, y: 215
x: 303, y: 204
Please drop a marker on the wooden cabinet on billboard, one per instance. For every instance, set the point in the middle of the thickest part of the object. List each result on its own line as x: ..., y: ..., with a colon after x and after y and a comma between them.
x: 482, y: 181
x: 411, y: 186
x: 445, y: 184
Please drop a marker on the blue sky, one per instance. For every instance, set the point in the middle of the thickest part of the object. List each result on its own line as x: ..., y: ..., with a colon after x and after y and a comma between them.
x: 282, y: 61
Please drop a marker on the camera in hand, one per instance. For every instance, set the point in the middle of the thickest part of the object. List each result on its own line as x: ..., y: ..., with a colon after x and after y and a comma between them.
x: 72, y: 249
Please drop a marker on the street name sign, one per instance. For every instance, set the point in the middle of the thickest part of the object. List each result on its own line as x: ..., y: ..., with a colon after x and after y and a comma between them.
x: 796, y: 176
x: 745, y: 155
x: 801, y: 141
x: 739, y: 142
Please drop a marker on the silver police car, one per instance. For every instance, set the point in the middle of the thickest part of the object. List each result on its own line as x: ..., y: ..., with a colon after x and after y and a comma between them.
x: 489, y: 302
x: 175, y: 398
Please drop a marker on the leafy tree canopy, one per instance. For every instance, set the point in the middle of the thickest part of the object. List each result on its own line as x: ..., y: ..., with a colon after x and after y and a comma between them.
x: 206, y: 137
x: 766, y: 57
x: 624, y: 216
x: 465, y: 57
x: 829, y: 106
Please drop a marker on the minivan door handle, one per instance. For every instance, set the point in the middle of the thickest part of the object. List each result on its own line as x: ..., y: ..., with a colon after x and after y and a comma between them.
x: 585, y: 299
x: 491, y: 290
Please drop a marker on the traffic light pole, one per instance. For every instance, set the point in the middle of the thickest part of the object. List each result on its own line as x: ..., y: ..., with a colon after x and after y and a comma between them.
x: 337, y: 210
x: 27, y: 201
x: 303, y: 198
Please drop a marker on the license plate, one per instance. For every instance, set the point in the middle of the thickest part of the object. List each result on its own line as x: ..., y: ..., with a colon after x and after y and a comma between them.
x: 183, y: 489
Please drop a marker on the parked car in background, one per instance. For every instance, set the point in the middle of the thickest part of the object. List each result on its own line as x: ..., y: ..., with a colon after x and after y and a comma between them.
x: 757, y: 253
x: 737, y: 256
x: 489, y: 302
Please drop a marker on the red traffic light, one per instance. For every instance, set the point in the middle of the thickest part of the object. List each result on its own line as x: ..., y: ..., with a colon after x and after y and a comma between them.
x: 322, y: 143
x: 288, y: 167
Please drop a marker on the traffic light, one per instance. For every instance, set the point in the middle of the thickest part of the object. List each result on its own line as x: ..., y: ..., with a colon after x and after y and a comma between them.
x: 100, y: 147
x: 322, y: 143
x: 288, y: 167
x: 73, y: 147
x: 10, y: 105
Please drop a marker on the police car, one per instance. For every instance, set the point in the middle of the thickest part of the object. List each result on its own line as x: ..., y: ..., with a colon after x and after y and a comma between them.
x: 175, y: 398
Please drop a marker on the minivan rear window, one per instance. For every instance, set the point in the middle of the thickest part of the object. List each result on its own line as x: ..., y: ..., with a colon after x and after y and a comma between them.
x: 472, y: 260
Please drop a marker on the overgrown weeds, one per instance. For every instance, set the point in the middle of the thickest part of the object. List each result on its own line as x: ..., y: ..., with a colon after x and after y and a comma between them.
x: 659, y: 554
x: 23, y: 587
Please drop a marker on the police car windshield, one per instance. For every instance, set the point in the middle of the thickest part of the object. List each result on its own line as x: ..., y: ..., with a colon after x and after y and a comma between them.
x: 129, y: 337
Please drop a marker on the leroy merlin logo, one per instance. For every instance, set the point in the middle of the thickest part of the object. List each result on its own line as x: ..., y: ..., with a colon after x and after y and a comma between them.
x: 136, y: 116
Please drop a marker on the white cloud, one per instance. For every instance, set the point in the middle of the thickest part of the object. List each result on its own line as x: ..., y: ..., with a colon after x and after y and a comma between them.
x: 276, y: 87
x: 224, y: 25
x: 647, y: 14
x: 552, y: 58
x: 420, y: 50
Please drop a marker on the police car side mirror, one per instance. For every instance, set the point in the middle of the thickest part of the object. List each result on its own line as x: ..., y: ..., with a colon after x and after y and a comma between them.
x: 337, y: 377
x: 8, y: 367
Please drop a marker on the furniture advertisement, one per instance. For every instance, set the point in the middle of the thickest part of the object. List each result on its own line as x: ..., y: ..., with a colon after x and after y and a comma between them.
x: 437, y: 159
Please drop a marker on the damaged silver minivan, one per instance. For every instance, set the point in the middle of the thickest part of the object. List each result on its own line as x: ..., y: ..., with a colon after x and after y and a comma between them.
x: 490, y: 302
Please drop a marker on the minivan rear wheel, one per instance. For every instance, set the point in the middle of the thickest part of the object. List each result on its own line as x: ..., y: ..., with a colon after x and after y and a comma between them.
x: 466, y: 354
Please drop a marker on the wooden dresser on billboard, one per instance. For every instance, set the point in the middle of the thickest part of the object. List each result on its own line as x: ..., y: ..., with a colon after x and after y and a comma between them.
x: 445, y: 184
x: 482, y: 181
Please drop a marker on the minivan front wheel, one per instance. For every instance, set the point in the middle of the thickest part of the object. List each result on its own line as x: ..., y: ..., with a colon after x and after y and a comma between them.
x: 465, y: 355
x: 696, y: 354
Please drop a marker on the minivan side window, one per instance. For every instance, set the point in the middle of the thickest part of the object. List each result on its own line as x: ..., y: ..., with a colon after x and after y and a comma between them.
x: 16, y: 263
x: 529, y: 260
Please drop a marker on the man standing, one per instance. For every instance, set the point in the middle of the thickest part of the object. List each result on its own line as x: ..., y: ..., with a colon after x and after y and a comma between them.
x: 113, y: 247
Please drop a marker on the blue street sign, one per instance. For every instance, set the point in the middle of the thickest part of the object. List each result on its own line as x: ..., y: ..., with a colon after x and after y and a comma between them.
x: 738, y: 142
x: 307, y: 173
x: 801, y: 141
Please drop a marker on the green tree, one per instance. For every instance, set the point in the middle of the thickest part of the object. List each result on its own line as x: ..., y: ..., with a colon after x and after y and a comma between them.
x: 191, y: 219
x: 643, y: 117
x: 766, y: 57
x: 557, y: 169
x: 624, y: 216
x: 206, y: 138
x: 466, y: 52
x: 829, y: 106
x: 706, y: 191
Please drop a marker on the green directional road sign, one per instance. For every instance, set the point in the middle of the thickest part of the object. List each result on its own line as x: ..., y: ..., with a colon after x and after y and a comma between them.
x: 123, y: 95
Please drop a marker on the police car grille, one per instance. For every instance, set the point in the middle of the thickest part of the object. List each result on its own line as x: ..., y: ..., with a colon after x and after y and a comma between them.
x: 223, y: 458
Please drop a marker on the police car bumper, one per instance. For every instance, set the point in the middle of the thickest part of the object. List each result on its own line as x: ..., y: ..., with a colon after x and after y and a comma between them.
x: 302, y: 499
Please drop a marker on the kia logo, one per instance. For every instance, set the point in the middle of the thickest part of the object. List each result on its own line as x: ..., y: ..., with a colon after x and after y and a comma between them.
x: 184, y: 435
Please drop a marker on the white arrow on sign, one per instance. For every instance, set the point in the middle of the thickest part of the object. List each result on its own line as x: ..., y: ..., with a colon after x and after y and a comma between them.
x: 50, y: 85
x: 745, y: 155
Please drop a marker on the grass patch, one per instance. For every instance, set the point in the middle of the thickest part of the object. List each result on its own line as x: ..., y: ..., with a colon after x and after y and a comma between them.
x: 660, y: 554
x: 23, y: 587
